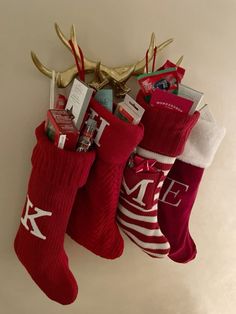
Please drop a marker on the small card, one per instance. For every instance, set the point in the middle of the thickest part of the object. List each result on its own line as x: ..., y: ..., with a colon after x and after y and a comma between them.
x: 78, y: 101
x: 192, y: 94
x: 105, y: 98
x: 170, y: 101
x: 129, y: 110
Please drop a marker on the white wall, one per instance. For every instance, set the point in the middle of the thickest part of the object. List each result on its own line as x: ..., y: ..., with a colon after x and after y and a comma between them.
x: 118, y: 32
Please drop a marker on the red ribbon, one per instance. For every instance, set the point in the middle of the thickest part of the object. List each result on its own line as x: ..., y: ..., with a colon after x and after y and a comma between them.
x: 153, y: 62
x: 79, y: 63
x: 141, y: 164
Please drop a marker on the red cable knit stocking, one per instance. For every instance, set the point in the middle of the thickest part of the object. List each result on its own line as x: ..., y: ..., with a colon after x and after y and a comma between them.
x: 93, y: 222
x: 55, y: 178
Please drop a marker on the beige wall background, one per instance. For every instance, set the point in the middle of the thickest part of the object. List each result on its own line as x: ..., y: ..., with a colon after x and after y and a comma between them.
x: 118, y: 32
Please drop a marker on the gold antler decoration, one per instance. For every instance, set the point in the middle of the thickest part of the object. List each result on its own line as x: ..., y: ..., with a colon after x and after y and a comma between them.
x: 104, y: 75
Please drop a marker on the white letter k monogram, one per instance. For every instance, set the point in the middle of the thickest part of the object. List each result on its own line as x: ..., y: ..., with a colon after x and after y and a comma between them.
x: 39, y: 213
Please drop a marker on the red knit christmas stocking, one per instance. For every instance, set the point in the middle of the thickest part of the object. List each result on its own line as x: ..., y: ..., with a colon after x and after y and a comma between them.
x: 165, y: 134
x: 56, y: 175
x: 180, y: 188
x: 92, y: 223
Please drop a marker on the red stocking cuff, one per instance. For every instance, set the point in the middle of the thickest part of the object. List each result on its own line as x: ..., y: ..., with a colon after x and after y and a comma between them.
x: 170, y: 128
x: 115, y: 138
x: 59, y: 166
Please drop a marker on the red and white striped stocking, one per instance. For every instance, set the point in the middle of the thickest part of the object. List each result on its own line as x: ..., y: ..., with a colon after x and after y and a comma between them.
x: 165, y: 135
x: 137, y: 215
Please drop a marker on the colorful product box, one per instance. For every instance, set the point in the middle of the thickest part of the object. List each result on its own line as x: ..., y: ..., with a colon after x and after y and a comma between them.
x: 78, y: 101
x: 129, y: 110
x: 105, y: 98
x: 179, y: 70
x: 166, y: 79
x: 61, y: 130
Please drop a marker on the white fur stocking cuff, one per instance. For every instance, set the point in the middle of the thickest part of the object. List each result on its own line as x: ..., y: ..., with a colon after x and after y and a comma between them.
x: 203, y: 141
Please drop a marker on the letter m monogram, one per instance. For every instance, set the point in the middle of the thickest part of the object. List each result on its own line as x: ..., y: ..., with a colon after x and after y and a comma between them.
x: 141, y: 186
x: 31, y: 217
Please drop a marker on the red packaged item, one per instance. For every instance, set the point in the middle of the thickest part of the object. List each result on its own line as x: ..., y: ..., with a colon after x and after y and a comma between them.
x: 61, y: 102
x: 93, y: 219
x: 179, y: 71
x: 161, y: 98
x: 86, y: 139
x: 166, y: 79
x: 61, y: 130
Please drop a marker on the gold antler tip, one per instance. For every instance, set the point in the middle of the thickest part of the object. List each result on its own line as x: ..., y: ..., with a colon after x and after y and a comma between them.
x: 180, y: 61
x: 72, y: 32
x: 33, y: 55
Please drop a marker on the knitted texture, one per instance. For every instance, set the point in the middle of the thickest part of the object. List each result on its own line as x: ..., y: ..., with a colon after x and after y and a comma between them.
x: 169, y: 125
x: 55, y: 178
x: 165, y: 135
x: 93, y: 222
x: 180, y: 188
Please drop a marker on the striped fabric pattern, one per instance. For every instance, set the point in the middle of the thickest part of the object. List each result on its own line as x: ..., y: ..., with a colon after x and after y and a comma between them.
x: 138, y: 205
